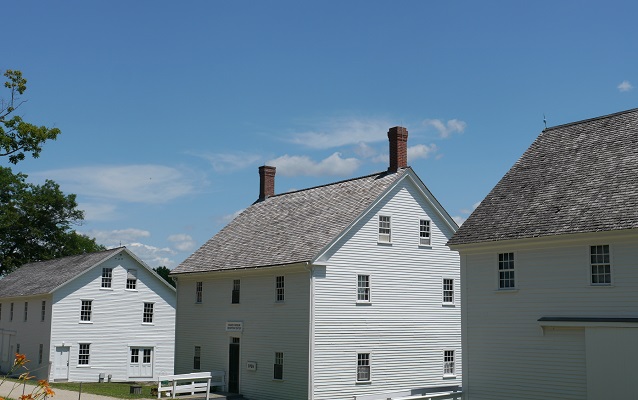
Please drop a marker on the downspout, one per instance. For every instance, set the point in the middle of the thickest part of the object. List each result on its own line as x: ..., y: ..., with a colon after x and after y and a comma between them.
x: 311, y: 331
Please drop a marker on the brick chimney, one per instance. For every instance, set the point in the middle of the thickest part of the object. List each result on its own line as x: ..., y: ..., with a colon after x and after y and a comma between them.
x: 398, y: 137
x: 266, y: 182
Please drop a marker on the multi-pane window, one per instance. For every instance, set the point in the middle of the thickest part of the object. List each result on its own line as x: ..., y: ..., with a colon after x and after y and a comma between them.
x: 235, y: 294
x: 40, y: 353
x: 384, y: 228
x: 26, y: 310
x: 197, y: 357
x: 135, y: 356
x: 85, y: 310
x: 424, y: 232
x: 11, y: 313
x: 84, y: 353
x: 107, y: 277
x: 448, y: 362
x: 279, y: 288
x: 448, y: 291
x: 279, y: 366
x: 131, y: 279
x: 146, y: 356
x: 363, y: 287
x: 199, y: 286
x: 600, y: 265
x: 43, y: 314
x: 506, y: 271
x: 363, y: 367
x: 148, y: 313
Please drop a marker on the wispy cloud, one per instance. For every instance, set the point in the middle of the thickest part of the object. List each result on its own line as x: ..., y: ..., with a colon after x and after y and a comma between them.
x: 98, y: 211
x: 446, y: 129
x: 153, y: 256
x: 130, y: 183
x: 625, y: 86
x: 182, y: 242
x: 226, y: 162
x: 421, y: 151
x: 461, y: 219
x: 334, y: 165
x: 341, y: 132
x: 117, y: 237
x: 229, y: 217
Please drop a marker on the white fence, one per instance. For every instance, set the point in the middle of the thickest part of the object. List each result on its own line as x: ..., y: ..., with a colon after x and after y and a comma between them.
x: 196, y: 382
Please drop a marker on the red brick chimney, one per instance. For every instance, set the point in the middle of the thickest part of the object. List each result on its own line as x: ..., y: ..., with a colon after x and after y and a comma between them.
x: 266, y: 181
x: 398, y: 148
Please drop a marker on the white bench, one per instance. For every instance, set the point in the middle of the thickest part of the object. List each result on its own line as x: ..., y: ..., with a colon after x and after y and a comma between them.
x: 196, y: 382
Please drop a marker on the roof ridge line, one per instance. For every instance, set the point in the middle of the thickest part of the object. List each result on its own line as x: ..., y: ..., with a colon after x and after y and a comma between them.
x: 591, y: 119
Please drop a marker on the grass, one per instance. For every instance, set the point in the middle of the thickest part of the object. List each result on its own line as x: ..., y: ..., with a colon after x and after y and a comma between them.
x: 111, y: 389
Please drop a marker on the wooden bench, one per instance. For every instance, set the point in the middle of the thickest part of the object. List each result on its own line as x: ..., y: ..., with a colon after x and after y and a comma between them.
x: 196, y: 382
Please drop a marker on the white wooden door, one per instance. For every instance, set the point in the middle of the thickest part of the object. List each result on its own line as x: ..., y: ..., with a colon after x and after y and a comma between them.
x: 141, y: 362
x: 61, y: 364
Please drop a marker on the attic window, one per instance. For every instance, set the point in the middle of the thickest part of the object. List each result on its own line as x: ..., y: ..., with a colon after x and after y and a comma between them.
x: 107, y: 277
x: 384, y: 228
x: 131, y: 279
x: 424, y: 232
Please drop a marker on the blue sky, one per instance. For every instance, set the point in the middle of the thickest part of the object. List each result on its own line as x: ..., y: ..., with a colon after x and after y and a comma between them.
x: 168, y: 108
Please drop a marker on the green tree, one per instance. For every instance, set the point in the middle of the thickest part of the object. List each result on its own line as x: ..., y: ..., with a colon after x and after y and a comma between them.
x: 18, y: 137
x: 164, y: 273
x: 35, y: 222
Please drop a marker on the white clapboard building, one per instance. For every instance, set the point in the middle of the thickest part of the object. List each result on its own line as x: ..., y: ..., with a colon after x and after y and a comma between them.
x: 548, y: 270
x: 85, y: 317
x: 341, y: 291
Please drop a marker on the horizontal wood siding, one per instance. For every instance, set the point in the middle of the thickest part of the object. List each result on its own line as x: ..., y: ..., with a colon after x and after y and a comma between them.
x: 405, y: 327
x: 508, y: 354
x: 268, y: 327
x: 28, y: 334
x: 116, y: 321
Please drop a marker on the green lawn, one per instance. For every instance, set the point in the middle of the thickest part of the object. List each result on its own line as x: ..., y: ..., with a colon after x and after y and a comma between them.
x: 119, y: 390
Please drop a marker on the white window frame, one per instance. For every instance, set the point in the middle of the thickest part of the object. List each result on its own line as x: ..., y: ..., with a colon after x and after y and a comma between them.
x: 449, y: 292
x: 384, y: 228
x: 199, y: 292
x: 131, y: 279
x: 449, y: 367
x: 280, y: 288
x: 84, y: 354
x: 425, y: 235
x: 600, y: 257
x: 364, y: 367
x: 148, y: 313
x: 107, y: 278
x: 363, y: 291
x: 86, y: 311
x: 279, y: 361
x: 506, y: 274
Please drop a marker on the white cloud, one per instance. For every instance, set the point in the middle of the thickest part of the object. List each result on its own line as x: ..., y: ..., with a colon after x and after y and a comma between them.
x: 229, y: 162
x: 303, y: 165
x: 131, y: 183
x: 446, y: 129
x: 466, y: 211
x: 153, y: 256
x: 229, y: 217
x: 182, y: 242
x: 459, y: 220
x: 625, y: 86
x: 98, y: 211
x: 365, y: 151
x: 421, y: 151
x: 343, y: 132
x: 117, y: 237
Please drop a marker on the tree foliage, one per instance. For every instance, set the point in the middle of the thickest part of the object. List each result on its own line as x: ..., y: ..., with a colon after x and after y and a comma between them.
x: 18, y: 137
x: 35, y: 222
x: 164, y: 273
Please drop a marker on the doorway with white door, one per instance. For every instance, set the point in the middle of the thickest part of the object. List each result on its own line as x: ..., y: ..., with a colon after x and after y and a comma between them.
x: 140, y: 362
x: 61, y: 364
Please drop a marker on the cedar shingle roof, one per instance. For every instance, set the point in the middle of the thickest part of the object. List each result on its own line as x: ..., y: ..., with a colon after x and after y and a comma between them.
x: 575, y: 178
x: 290, y: 227
x: 44, y: 276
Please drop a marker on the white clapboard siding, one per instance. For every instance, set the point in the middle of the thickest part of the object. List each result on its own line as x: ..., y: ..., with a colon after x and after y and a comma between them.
x: 405, y: 328
x: 116, y: 321
x: 29, y: 334
x: 268, y: 327
x: 507, y: 353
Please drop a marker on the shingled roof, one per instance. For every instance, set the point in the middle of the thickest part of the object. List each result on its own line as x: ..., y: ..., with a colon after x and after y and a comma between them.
x: 290, y: 227
x: 43, y: 277
x: 575, y: 178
